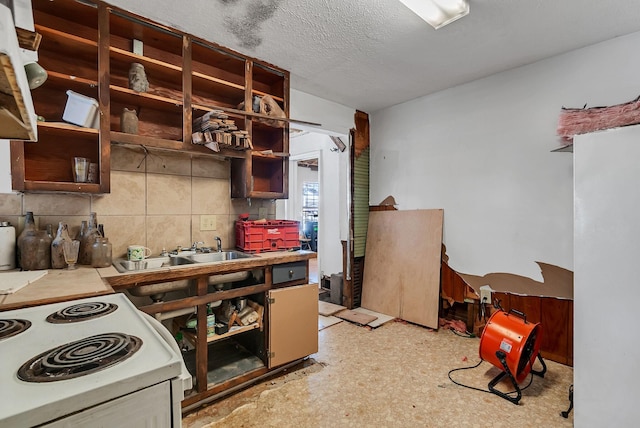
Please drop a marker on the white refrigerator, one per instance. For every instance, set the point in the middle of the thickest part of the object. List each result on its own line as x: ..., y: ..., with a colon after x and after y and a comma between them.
x: 607, y: 278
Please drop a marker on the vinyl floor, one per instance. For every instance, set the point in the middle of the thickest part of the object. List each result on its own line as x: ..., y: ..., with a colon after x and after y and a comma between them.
x: 395, y: 375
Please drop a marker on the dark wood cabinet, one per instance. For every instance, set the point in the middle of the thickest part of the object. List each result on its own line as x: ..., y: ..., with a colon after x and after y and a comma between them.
x: 89, y: 48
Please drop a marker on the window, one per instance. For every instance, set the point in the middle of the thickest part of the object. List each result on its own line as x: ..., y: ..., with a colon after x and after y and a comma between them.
x: 310, y: 194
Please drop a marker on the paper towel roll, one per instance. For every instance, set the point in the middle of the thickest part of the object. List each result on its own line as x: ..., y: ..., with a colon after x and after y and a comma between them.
x: 7, y: 246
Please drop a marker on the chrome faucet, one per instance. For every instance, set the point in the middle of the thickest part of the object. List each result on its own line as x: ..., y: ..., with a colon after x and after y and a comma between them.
x: 194, y: 246
x: 219, y: 242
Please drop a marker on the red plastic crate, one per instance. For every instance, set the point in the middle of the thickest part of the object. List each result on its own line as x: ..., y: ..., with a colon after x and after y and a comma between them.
x: 270, y: 235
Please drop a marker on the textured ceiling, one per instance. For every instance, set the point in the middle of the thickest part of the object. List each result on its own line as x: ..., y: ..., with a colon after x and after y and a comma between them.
x: 371, y: 54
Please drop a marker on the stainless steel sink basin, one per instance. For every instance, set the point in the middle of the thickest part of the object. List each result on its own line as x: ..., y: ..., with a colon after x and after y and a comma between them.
x: 126, y: 266
x: 220, y: 256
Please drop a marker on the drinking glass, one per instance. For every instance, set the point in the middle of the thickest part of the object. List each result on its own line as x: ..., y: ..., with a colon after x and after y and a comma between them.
x: 80, y: 169
x: 70, y: 249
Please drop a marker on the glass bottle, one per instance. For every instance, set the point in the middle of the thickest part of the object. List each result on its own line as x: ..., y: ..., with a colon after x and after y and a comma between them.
x: 101, y: 253
x: 86, y: 241
x: 83, y: 230
x: 35, y: 251
x: 57, y: 254
x: 50, y: 231
x: 29, y: 228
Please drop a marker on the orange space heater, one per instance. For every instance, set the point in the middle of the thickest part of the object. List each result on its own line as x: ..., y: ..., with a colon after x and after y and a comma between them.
x: 511, y: 344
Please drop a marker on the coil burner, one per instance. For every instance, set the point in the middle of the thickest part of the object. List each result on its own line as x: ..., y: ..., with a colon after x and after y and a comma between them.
x: 79, y: 358
x: 11, y: 327
x: 81, y: 312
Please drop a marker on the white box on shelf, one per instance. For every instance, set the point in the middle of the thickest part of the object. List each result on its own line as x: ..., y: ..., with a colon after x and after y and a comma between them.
x: 81, y: 110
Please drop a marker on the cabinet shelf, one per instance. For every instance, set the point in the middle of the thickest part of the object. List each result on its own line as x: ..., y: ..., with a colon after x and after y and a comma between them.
x: 149, y: 63
x: 170, y: 145
x: 59, y: 186
x: 64, y: 129
x: 139, y: 99
x: 67, y: 44
x: 262, y: 94
x: 269, y: 156
x: 196, y: 75
x: 69, y: 80
x: 232, y: 332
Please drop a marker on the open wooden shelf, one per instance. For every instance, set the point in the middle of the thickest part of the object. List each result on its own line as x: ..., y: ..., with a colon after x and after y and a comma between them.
x: 65, y: 129
x: 89, y: 49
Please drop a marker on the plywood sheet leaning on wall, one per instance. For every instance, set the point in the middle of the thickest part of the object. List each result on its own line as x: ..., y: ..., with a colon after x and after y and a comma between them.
x: 402, y: 265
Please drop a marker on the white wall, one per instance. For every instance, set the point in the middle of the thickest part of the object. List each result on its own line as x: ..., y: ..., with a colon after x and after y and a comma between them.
x: 482, y: 152
x: 332, y: 204
x: 607, y: 249
x: 5, y: 167
x: 336, y: 120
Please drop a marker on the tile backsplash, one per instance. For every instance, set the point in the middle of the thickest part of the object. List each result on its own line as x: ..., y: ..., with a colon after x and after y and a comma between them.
x: 156, y: 200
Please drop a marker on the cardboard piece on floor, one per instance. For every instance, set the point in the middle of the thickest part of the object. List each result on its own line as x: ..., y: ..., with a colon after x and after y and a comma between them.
x: 402, y: 265
x: 324, y: 322
x: 380, y: 318
x: 358, y: 318
x: 328, y: 308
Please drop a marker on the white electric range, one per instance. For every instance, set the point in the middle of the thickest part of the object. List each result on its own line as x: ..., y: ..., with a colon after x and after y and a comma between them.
x: 89, y: 362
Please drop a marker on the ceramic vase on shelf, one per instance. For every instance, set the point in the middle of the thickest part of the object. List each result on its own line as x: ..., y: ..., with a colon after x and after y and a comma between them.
x: 138, y: 78
x: 57, y: 253
x: 129, y: 121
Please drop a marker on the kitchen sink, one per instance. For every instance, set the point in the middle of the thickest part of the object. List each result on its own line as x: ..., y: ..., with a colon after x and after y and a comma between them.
x: 157, y: 291
x: 125, y: 266
x: 219, y: 256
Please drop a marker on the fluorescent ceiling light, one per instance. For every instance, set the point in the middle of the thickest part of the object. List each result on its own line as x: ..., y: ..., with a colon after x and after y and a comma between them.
x: 438, y: 13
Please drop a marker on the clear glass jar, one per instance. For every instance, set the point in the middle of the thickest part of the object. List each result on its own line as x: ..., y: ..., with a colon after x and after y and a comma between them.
x: 35, y: 250
x: 101, y: 253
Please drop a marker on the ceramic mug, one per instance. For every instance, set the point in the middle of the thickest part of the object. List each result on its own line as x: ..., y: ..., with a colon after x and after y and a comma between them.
x: 135, y: 253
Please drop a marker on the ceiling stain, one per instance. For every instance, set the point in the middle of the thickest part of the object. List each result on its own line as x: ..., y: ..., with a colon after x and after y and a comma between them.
x: 246, y: 26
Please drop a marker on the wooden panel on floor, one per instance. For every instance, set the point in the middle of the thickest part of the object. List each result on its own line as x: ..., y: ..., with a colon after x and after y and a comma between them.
x: 324, y: 322
x: 402, y: 269
x: 380, y: 318
x: 358, y: 318
x: 328, y: 308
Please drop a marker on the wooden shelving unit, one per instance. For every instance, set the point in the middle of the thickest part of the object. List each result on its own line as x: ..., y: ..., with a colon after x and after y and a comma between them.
x: 89, y: 48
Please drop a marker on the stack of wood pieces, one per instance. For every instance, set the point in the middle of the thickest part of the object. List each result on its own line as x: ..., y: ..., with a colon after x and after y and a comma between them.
x: 215, y: 128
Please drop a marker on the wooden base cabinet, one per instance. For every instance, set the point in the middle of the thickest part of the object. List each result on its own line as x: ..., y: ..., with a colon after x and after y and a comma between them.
x: 288, y: 333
